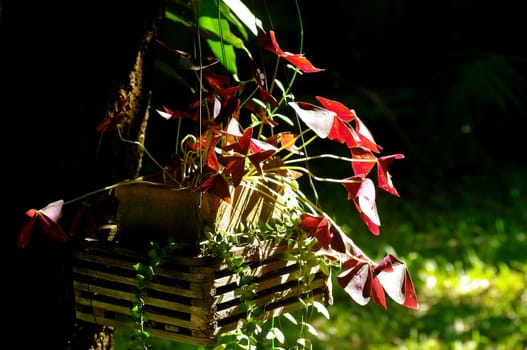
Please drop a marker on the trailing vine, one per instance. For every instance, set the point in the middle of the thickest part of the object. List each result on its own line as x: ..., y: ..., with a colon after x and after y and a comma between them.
x: 145, y: 273
x: 266, y: 332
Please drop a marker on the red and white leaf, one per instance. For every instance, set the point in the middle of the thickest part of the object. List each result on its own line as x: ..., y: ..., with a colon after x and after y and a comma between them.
x: 46, y: 220
x: 398, y: 284
x: 356, y: 282
x: 366, y: 136
x: 366, y: 205
x: 343, y: 112
x: 53, y: 210
x: 318, y: 119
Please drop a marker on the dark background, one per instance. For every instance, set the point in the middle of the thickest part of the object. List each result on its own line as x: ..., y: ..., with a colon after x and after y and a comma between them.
x: 443, y: 82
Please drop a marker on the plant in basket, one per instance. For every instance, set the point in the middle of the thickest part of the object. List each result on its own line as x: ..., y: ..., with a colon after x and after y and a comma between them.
x: 241, y: 180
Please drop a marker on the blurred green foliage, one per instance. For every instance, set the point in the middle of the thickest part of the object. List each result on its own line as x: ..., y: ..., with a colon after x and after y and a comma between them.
x: 465, y: 248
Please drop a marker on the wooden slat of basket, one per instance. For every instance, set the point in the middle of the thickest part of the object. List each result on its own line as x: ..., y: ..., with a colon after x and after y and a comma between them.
x: 179, y: 306
x: 265, y: 282
x: 103, y: 291
x: 195, y: 292
x: 179, y: 274
x: 257, y: 271
x: 266, y: 248
x: 289, y: 305
x: 199, y: 291
x: 125, y: 265
x: 107, y: 306
x: 268, y: 281
x: 107, y: 276
x: 278, y: 277
x: 115, y: 261
x: 182, y: 338
x: 263, y: 300
x: 171, y: 322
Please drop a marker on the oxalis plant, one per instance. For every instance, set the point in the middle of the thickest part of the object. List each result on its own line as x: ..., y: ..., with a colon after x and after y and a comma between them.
x: 248, y: 130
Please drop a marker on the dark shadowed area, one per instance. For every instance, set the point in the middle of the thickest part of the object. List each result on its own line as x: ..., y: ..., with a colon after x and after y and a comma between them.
x: 444, y: 83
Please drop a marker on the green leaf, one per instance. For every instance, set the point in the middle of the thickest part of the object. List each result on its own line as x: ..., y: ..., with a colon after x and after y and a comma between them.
x: 287, y: 256
x: 137, y: 266
x: 310, y: 328
x: 221, y: 34
x: 321, y: 308
x: 290, y: 317
x: 324, y: 267
x: 275, y: 333
x: 175, y: 17
x: 244, y: 14
x: 221, y: 49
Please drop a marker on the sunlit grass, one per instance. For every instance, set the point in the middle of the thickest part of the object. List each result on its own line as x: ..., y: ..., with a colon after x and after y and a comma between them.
x: 461, y: 307
x: 465, y: 248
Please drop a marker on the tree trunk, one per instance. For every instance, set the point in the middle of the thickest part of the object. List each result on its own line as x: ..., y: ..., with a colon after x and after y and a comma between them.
x: 63, y: 70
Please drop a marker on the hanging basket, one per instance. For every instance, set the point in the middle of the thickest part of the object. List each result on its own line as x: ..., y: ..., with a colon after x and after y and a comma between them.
x: 193, y: 298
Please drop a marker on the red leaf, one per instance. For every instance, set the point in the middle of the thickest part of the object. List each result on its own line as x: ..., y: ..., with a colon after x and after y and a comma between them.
x: 286, y: 140
x: 365, y: 161
x: 298, y: 60
x: 25, y: 234
x: 385, y: 265
x: 215, y: 81
x: 410, y: 299
x: 338, y: 240
x: 343, y: 133
x: 378, y: 295
x: 264, y: 41
x: 332, y: 240
x: 217, y: 185
x: 168, y: 114
x: 309, y: 223
x: 229, y: 107
x: 187, y: 61
x: 212, y: 159
x: 317, y: 226
x: 235, y: 167
x: 301, y: 62
x: 320, y: 120
x: 258, y: 158
x: 242, y: 146
x: 343, y: 112
x: 268, y: 97
x: 104, y: 125
x: 384, y: 178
